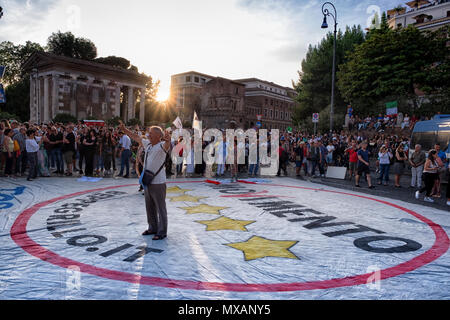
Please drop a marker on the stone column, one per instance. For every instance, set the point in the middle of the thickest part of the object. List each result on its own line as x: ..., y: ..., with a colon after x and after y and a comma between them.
x: 55, y: 95
x: 46, y: 100
x: 33, y: 111
x: 142, y: 107
x: 117, y: 102
x: 131, y: 103
x: 88, y: 108
x: 73, y: 95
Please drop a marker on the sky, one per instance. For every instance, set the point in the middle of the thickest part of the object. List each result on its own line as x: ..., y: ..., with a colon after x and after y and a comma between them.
x: 234, y: 39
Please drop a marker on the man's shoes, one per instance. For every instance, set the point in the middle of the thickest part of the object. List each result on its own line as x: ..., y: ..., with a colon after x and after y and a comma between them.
x: 428, y: 199
x: 156, y: 238
x: 126, y: 177
x: 28, y: 179
x: 371, y: 187
x: 148, y: 233
x: 357, y: 185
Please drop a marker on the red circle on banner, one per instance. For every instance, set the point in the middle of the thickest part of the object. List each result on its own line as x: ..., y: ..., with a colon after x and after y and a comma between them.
x: 21, y: 238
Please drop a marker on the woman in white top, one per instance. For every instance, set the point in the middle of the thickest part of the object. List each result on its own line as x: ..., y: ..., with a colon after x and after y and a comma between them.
x: 384, y: 157
x: 405, y: 122
x: 430, y: 175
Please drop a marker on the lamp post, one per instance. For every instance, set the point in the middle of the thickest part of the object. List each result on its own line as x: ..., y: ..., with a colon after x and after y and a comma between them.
x: 327, y: 13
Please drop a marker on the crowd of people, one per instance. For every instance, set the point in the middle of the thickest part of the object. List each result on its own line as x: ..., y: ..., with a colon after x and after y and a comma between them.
x: 382, y: 122
x: 77, y: 149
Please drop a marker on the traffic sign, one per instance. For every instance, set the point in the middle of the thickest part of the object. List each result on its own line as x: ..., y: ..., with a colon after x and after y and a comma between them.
x: 315, y: 118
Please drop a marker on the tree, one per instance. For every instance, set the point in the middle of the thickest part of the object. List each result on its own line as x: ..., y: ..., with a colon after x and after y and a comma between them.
x: 389, y: 65
x: 437, y: 83
x: 66, y: 44
x: 114, y: 122
x: 17, y: 83
x: 114, y: 61
x: 315, y: 79
x: 13, y: 56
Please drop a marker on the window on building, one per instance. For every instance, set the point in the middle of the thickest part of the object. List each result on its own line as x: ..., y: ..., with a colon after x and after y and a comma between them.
x: 271, y: 102
x: 203, y: 81
x: 197, y: 79
x: 267, y: 101
x: 237, y: 90
x: 276, y: 114
x: 287, y: 116
x: 265, y: 113
x: 281, y: 115
x: 271, y: 114
x: 188, y: 79
x: 448, y: 13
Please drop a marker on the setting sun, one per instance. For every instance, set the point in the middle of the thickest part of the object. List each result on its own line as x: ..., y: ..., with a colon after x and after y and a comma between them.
x: 162, y: 95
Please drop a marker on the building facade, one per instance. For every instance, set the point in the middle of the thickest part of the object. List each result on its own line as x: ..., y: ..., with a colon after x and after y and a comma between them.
x: 424, y: 14
x: 185, y: 92
x: 83, y: 89
x: 246, y: 102
x: 268, y: 103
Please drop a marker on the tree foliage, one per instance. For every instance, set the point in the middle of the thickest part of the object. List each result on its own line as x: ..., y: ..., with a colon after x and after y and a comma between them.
x: 13, y: 56
x: 66, y: 44
x: 315, y: 79
x: 391, y: 65
x: 114, y: 61
x: 65, y: 118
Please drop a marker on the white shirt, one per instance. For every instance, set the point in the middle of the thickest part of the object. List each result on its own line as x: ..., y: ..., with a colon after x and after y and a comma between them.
x: 125, y: 141
x: 156, y: 156
x: 385, y: 157
x: 31, y: 145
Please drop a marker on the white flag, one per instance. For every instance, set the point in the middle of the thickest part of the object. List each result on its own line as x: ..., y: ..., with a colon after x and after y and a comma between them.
x: 196, y: 123
x: 178, y: 123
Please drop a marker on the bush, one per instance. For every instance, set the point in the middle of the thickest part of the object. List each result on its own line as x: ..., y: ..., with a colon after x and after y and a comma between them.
x: 64, y: 118
x: 133, y: 122
x: 113, y: 122
x: 9, y: 116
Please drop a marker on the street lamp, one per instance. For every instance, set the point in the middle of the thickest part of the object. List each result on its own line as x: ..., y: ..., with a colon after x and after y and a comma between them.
x: 327, y: 13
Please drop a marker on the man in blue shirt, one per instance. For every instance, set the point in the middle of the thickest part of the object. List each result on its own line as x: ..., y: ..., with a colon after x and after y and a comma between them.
x: 442, y: 162
x: 363, y: 165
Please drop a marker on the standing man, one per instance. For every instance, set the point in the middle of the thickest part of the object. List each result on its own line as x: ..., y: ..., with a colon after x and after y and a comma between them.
x: 56, y: 141
x: 353, y: 159
x: 125, y: 152
x: 363, y: 165
x: 441, y: 160
x: 32, y: 148
x: 68, y: 149
x: 417, y: 162
x: 21, y: 161
x: 155, y: 193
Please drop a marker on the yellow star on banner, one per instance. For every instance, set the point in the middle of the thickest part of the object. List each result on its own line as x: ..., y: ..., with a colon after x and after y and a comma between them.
x: 224, y: 223
x: 203, y: 208
x: 177, y: 189
x: 257, y: 248
x: 185, y: 198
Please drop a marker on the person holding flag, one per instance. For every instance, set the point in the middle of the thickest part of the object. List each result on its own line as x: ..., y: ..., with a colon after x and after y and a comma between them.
x: 156, y: 150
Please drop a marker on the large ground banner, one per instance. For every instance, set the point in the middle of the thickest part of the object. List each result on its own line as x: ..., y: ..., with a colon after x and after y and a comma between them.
x: 263, y: 239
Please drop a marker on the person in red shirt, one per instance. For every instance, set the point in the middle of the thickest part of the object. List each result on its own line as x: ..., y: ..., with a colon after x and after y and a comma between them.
x: 353, y: 159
